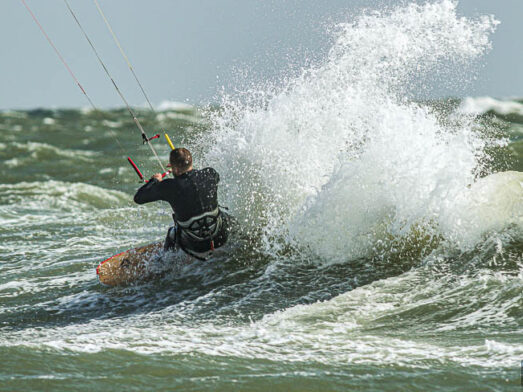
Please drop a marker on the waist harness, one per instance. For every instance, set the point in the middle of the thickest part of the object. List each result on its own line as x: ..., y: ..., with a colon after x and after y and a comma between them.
x: 202, y: 227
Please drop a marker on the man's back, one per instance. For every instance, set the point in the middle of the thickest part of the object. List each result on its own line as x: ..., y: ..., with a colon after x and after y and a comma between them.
x: 189, y: 194
x: 200, y: 226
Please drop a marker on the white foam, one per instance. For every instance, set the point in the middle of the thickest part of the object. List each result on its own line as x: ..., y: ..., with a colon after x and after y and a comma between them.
x: 332, y: 332
x: 481, y: 105
x: 490, y: 204
x: 177, y: 116
x: 36, y: 148
x: 59, y: 196
x: 174, y: 106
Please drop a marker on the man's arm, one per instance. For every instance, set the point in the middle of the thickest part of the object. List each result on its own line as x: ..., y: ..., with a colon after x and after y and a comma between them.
x: 149, y: 192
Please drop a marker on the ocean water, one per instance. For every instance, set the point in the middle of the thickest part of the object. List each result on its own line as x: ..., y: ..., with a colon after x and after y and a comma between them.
x: 379, y: 243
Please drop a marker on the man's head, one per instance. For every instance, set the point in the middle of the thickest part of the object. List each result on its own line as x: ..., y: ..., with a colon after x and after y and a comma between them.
x: 180, y: 160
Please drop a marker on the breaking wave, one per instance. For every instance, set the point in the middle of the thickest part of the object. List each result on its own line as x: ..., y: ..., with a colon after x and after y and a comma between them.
x: 338, y: 160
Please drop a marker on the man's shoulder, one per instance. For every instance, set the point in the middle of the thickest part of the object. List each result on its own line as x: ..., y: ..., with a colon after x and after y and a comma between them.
x: 209, y: 173
x: 167, y: 182
x: 206, y: 170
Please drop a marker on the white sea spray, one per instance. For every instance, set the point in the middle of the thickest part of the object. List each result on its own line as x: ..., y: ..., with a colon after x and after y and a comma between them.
x: 337, y: 158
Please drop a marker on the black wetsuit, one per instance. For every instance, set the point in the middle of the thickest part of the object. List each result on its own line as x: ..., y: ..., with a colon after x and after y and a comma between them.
x: 193, y: 196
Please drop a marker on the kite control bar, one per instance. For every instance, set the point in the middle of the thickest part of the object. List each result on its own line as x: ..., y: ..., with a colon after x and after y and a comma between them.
x: 135, y: 168
x: 139, y: 173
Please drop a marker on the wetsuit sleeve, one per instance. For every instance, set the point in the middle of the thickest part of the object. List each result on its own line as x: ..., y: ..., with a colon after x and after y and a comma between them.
x: 149, y: 192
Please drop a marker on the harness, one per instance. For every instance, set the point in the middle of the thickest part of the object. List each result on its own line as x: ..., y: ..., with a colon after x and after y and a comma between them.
x: 202, y: 227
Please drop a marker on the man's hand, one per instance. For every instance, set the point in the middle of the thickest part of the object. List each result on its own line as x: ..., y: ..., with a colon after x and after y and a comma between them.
x: 158, y: 176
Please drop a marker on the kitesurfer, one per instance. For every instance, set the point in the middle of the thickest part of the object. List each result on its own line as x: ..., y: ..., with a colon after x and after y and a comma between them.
x: 200, y: 225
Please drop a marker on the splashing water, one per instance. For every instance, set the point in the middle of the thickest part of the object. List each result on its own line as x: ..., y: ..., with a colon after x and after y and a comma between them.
x: 337, y: 158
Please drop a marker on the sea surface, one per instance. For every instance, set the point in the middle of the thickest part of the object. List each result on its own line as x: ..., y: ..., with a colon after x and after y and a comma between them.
x: 379, y: 237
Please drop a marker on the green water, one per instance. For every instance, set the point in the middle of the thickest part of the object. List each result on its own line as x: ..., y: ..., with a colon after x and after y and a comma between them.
x: 424, y: 317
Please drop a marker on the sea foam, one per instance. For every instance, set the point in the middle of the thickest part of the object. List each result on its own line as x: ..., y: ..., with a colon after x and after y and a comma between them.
x: 481, y: 105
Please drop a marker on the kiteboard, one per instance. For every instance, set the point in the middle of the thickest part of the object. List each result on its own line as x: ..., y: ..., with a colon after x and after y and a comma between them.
x: 147, y: 263
x: 130, y: 266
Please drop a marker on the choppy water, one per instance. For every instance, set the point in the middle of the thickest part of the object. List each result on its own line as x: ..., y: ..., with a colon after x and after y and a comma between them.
x: 380, y: 241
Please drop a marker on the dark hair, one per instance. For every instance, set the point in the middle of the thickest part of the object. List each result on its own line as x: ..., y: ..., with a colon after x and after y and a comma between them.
x: 180, y: 158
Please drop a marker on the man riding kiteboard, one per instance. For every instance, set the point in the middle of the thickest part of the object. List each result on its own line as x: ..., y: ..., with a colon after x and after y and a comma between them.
x: 199, y: 224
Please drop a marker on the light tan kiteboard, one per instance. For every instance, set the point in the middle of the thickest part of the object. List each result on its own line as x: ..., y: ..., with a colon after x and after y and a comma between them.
x: 130, y: 266
x: 144, y: 263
